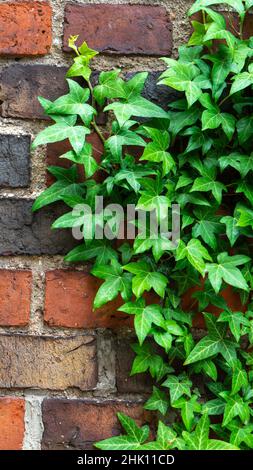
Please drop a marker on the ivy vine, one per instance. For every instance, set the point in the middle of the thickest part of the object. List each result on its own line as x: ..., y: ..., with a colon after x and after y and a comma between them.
x: 198, y: 154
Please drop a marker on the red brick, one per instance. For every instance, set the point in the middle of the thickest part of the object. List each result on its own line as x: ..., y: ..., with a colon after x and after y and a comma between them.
x: 12, y: 411
x: 69, y: 302
x: 15, y: 288
x: 54, y: 151
x: 76, y: 424
x: 189, y: 303
x: 120, y: 29
x: 25, y: 28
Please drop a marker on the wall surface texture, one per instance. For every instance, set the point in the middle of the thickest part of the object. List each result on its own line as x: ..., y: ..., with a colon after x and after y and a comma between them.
x: 64, y: 370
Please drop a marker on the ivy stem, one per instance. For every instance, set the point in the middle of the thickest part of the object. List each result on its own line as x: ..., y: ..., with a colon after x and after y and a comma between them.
x: 241, y: 26
x: 224, y: 99
x: 93, y: 122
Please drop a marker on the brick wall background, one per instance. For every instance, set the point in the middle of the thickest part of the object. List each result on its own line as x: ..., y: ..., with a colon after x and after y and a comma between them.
x: 63, y: 368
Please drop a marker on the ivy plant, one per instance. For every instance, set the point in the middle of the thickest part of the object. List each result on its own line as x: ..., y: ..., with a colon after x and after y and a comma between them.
x: 198, y: 154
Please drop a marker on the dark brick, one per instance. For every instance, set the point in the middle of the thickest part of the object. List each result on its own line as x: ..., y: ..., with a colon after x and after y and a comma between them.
x: 46, y: 362
x: 20, y: 86
x: 159, y: 94
x: 14, y: 161
x: 76, y: 424
x: 140, y: 383
x: 120, y: 29
x: 25, y: 233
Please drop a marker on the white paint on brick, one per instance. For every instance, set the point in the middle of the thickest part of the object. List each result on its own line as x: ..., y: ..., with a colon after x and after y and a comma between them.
x: 33, y: 423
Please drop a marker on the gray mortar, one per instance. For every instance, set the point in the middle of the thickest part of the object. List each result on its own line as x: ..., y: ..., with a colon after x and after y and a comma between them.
x: 33, y: 423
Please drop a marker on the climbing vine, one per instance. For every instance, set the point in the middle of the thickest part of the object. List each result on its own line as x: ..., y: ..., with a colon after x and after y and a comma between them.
x: 197, y: 154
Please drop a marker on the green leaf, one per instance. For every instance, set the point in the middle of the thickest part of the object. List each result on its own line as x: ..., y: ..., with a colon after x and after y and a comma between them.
x: 59, y: 132
x: 115, y: 282
x: 215, y: 342
x: 232, y: 230
x: 131, y: 428
x: 96, y: 249
x: 199, y: 4
x: 165, y: 436
x: 178, y: 386
x: 157, y: 401
x: 56, y: 192
x: 227, y: 271
x: 195, y: 252
x: 204, y: 183
x: 137, y: 106
x: 74, y: 103
x: 118, y: 443
x: 244, y: 129
x: 145, y: 279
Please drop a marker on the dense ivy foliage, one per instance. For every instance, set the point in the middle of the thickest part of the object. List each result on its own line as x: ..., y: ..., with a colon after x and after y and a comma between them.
x: 198, y: 153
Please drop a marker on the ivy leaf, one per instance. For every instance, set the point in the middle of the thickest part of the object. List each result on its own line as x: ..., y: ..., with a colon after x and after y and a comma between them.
x: 239, y: 380
x: 118, y: 443
x: 242, y: 81
x: 235, y: 320
x: 115, y: 282
x: 188, y: 409
x: 74, y: 103
x: 178, y: 386
x: 144, y: 317
x: 133, y: 431
x: 241, y: 163
x: 59, y: 132
x: 195, y: 252
x: 244, y: 129
x: 56, y: 192
x: 232, y: 230
x: 235, y: 407
x: 157, y: 401
x: 215, y: 342
x: 143, y: 359
x: 110, y: 86
x: 199, y: 439
x: 226, y: 269
x: 165, y: 436
x: 246, y: 217
x: 136, y: 106
x: 204, y: 183
x: 214, y: 407
x: 200, y: 4
x: 145, y: 279
x: 98, y: 249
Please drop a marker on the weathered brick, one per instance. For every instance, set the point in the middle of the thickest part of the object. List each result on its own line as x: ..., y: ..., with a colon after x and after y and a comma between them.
x: 25, y: 28
x: 15, y: 288
x: 54, y: 363
x: 20, y: 86
x: 14, y: 161
x: 120, y: 29
x: 12, y: 411
x: 140, y: 383
x: 76, y: 424
x: 25, y: 233
x: 69, y: 302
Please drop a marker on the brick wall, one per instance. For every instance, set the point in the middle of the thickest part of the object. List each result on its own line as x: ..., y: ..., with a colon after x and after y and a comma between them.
x: 63, y: 368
